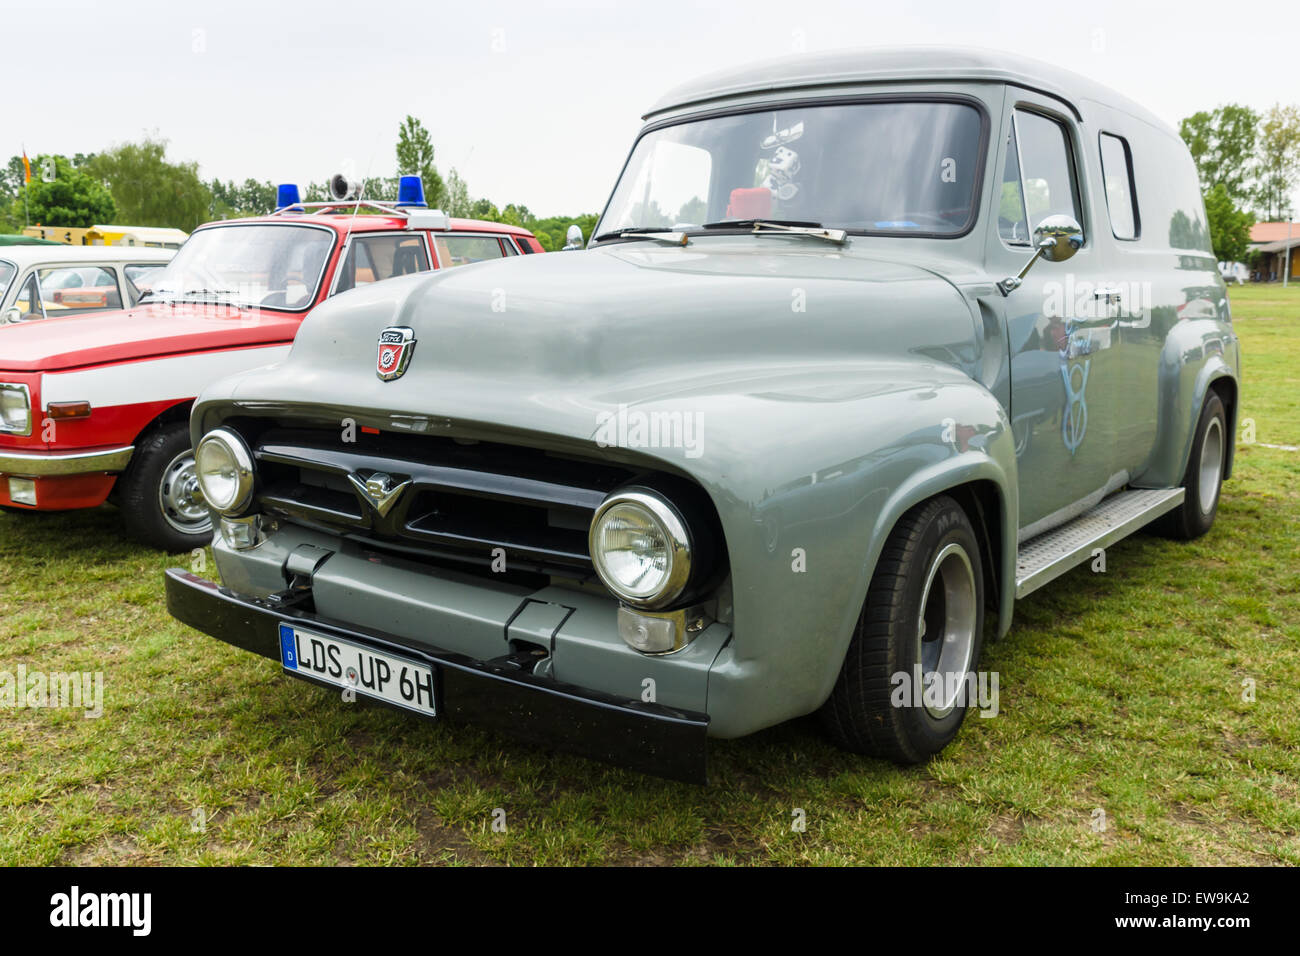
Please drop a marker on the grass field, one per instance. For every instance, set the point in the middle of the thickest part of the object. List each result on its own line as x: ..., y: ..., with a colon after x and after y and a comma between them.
x: 1120, y: 692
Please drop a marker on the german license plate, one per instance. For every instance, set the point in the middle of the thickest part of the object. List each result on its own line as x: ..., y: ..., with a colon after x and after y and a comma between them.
x: 377, y: 674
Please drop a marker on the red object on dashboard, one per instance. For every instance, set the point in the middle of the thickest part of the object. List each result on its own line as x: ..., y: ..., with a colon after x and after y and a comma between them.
x: 753, y: 203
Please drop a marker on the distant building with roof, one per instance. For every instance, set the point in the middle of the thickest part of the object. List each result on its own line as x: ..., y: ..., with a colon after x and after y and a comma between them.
x: 1270, y: 242
x: 111, y: 235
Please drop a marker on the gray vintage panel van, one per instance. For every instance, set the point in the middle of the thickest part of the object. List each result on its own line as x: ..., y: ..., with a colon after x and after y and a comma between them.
x: 865, y: 347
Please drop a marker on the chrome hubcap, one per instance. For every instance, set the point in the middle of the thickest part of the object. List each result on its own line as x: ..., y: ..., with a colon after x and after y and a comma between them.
x: 178, y: 497
x: 946, y: 630
x: 1211, y: 465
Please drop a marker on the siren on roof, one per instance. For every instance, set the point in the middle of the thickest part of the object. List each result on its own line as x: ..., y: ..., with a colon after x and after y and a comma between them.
x: 286, y: 195
x: 410, y: 191
x: 342, y: 188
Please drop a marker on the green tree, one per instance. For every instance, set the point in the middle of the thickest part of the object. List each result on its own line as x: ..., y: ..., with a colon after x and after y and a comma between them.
x: 68, y: 197
x: 11, y: 201
x: 458, y: 203
x: 1229, y: 225
x: 149, y: 190
x: 1222, y: 143
x: 484, y: 209
x: 415, y: 158
x: 550, y: 232
x: 515, y: 215
x: 231, y: 200
x: 1279, y: 160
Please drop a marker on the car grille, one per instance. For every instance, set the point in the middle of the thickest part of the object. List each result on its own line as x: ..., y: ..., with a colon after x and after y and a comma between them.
x: 463, y: 500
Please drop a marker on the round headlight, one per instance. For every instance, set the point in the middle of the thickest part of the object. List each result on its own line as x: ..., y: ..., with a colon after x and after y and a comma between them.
x: 641, y: 548
x: 225, y: 471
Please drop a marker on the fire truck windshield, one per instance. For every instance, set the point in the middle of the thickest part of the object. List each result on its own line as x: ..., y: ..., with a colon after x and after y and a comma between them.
x: 257, y: 265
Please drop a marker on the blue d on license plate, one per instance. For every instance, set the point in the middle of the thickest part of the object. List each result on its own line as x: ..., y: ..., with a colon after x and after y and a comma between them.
x: 377, y: 674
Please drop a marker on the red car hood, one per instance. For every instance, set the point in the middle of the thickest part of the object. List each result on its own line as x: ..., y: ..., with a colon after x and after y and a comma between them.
x: 74, y: 341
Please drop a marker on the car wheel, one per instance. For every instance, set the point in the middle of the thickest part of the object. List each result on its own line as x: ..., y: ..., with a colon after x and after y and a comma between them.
x: 1204, y: 476
x: 159, y: 495
x: 923, y: 619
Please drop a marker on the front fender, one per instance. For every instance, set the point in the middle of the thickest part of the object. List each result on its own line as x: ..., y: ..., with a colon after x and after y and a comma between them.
x: 807, y: 519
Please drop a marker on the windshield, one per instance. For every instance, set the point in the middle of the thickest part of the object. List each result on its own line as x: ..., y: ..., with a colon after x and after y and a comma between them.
x: 890, y: 167
x: 272, y: 267
x: 7, y: 271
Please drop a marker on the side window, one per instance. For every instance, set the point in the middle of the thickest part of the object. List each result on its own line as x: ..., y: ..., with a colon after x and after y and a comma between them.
x: 1121, y: 197
x: 28, y: 302
x: 508, y: 246
x: 69, y: 290
x: 462, y: 250
x: 139, y: 278
x: 1011, y: 204
x: 375, y: 258
x: 1044, y: 171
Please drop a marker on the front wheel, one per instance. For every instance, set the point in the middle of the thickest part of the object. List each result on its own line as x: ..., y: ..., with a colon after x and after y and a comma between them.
x: 1204, y: 476
x: 907, y: 678
x: 159, y: 493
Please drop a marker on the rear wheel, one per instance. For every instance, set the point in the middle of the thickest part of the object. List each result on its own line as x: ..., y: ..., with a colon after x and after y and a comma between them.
x: 1204, y: 476
x: 903, y: 689
x: 159, y: 493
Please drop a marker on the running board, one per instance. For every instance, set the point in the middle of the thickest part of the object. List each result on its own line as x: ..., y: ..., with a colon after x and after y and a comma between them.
x: 1049, y: 555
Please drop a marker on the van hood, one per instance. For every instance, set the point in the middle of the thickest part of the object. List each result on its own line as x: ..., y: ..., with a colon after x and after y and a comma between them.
x: 638, y: 311
x: 546, y: 343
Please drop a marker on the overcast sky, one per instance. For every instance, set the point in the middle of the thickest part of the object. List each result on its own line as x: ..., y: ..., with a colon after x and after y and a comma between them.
x: 538, y: 102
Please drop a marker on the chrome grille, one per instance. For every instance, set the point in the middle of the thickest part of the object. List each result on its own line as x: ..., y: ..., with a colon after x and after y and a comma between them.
x: 463, y: 500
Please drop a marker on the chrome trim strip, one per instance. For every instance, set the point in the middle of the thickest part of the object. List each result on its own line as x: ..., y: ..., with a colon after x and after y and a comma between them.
x: 82, y: 463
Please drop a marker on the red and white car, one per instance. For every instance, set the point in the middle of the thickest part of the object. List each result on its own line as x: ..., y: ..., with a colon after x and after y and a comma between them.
x: 97, y: 405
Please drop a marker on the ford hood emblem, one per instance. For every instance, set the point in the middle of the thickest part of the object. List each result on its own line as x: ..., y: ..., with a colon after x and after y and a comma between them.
x: 396, y: 344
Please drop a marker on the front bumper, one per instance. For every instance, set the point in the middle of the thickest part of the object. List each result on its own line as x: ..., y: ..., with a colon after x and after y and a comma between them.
x: 28, y: 465
x: 649, y: 738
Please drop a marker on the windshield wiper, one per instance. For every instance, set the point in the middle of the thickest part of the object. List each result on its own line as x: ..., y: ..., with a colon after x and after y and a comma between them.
x: 793, y: 227
x: 229, y: 295
x: 645, y: 232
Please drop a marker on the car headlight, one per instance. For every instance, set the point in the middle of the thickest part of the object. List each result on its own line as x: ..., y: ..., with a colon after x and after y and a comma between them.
x: 225, y: 471
x: 15, y: 409
x: 641, y: 548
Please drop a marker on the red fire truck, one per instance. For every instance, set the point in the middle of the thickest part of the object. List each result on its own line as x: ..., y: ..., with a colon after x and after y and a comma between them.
x: 95, y: 407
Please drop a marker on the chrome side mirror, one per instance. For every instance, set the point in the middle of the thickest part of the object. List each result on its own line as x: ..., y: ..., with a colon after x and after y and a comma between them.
x: 573, y: 238
x: 13, y: 315
x: 1056, y: 239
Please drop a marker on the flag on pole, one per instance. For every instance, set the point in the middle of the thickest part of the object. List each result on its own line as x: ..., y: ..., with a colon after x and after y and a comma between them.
x: 27, y: 167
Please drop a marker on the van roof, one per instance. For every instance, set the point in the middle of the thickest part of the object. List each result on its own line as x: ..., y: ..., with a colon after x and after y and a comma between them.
x: 896, y: 64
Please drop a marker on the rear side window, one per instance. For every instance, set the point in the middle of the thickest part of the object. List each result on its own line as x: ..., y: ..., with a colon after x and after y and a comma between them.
x: 70, y: 290
x: 1121, y: 197
x: 462, y: 250
x: 1040, y: 169
x: 375, y: 258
